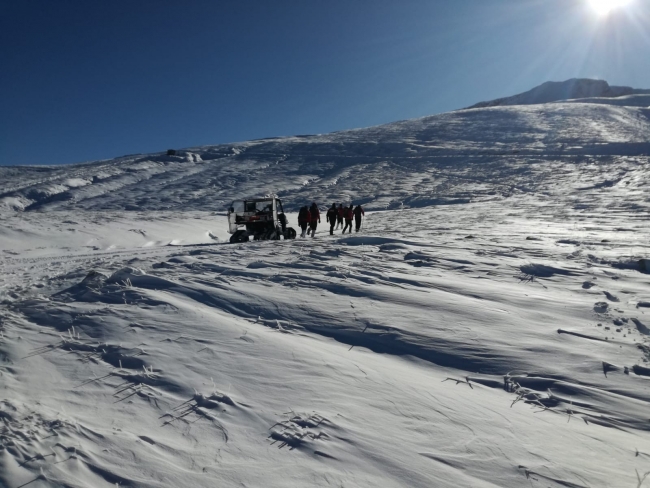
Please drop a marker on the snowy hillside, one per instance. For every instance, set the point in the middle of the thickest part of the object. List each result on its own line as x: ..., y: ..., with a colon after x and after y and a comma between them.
x: 576, y: 88
x: 462, y: 155
x: 637, y: 100
x: 488, y: 327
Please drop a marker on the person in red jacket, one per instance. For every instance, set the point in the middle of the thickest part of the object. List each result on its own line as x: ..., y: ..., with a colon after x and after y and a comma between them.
x: 348, y: 215
x: 304, y: 218
x: 314, y: 214
x: 339, y: 217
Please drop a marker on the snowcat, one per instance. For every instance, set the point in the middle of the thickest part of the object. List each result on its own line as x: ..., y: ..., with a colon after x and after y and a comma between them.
x: 259, y: 218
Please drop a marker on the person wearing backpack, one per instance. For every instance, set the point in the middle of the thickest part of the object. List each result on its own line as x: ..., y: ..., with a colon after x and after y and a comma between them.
x: 348, y: 215
x: 304, y: 217
x: 314, y: 219
x: 358, y: 212
x: 339, y: 216
x: 331, y: 217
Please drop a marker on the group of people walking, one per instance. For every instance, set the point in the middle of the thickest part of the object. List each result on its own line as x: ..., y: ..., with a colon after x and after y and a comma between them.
x: 309, y: 218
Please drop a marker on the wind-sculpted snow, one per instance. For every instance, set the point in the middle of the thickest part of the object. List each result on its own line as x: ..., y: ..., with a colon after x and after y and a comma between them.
x: 446, y: 346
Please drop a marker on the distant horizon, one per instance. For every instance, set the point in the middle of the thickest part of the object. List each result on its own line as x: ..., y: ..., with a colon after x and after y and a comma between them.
x: 91, y: 82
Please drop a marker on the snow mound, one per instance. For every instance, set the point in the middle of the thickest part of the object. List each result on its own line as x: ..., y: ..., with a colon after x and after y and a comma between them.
x: 94, y: 278
x: 124, y: 274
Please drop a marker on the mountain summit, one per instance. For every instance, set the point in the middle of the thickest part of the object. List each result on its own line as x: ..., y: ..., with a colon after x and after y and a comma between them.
x: 554, y: 91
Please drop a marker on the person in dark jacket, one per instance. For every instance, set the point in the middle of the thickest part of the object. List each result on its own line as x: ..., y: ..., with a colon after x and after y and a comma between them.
x: 339, y: 216
x: 314, y: 214
x: 348, y: 215
x: 331, y: 217
x: 358, y: 213
x: 304, y: 217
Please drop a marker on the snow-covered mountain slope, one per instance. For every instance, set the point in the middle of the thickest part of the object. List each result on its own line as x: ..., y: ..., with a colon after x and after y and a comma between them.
x: 500, y: 339
x: 639, y: 100
x: 463, y: 155
x: 553, y: 91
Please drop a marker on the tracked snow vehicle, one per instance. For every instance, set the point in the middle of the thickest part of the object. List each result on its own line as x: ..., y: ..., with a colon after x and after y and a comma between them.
x: 258, y: 218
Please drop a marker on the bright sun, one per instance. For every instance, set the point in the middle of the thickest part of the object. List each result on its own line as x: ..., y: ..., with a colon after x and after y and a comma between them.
x: 604, y: 7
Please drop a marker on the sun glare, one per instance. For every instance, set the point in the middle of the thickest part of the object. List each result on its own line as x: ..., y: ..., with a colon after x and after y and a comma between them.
x: 604, y: 7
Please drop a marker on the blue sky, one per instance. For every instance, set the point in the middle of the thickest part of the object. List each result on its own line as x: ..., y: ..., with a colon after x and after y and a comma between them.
x: 85, y: 80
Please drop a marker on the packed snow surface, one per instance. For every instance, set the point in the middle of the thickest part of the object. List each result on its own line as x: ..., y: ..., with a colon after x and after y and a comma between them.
x: 487, y: 327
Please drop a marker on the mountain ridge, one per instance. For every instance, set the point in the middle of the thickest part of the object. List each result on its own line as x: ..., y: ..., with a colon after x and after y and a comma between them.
x: 554, y: 91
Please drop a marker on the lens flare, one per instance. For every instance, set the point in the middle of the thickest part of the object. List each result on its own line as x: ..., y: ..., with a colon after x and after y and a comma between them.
x: 604, y: 7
